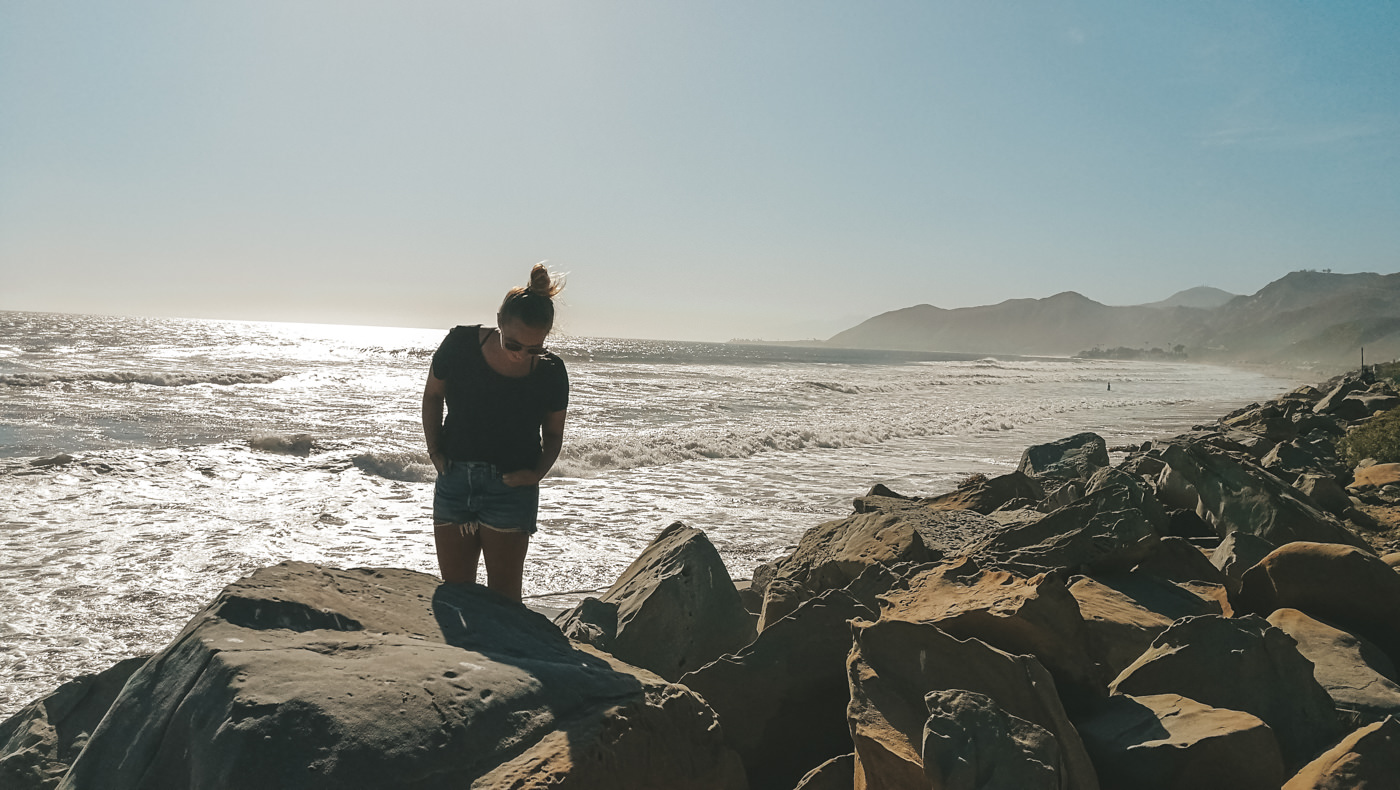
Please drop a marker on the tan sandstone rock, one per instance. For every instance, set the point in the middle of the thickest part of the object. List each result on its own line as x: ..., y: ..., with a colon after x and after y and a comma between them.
x: 895, y: 664
x: 1033, y: 615
x: 1170, y: 742
x: 1351, y: 588
x: 1357, y: 675
x: 1368, y: 759
x: 1241, y: 664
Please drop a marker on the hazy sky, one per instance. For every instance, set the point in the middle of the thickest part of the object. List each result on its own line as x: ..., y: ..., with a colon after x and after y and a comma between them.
x: 704, y: 170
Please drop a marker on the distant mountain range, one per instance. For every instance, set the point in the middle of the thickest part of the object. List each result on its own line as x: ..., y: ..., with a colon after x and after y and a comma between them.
x: 1306, y: 317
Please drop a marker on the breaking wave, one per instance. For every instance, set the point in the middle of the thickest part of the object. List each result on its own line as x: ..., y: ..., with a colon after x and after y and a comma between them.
x: 299, y: 444
x: 404, y: 466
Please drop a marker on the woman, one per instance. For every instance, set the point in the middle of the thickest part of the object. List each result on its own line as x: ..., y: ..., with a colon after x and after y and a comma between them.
x: 506, y: 399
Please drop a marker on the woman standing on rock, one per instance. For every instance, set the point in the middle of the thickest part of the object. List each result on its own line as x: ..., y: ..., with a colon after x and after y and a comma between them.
x: 506, y: 397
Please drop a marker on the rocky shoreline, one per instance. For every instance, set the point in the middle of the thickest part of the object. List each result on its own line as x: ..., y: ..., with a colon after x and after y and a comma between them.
x: 1216, y: 610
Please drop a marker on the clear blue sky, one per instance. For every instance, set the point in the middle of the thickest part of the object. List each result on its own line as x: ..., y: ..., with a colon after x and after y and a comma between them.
x: 704, y: 170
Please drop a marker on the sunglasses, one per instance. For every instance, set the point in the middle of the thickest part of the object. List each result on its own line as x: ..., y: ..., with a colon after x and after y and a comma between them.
x: 514, y: 347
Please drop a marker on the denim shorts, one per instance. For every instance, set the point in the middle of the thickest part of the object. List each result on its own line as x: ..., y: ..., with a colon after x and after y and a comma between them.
x: 472, y: 493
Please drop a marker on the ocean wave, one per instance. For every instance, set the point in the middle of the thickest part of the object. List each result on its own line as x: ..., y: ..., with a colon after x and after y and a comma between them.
x: 583, y: 458
x: 298, y: 444
x: 834, y: 386
x: 407, y: 467
x: 151, y: 379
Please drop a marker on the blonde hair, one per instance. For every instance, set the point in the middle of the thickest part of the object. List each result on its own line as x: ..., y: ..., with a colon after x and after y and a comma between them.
x: 533, y: 304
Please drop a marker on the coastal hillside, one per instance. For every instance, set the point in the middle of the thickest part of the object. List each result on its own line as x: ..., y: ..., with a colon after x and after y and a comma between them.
x: 1305, y: 317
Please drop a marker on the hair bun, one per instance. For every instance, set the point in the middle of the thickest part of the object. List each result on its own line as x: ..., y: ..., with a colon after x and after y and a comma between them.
x: 542, y: 284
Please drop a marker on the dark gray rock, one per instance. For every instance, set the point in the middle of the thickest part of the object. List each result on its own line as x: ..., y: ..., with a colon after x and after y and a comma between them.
x: 970, y: 743
x: 1072, y: 458
x: 1112, y: 528
x: 676, y: 608
x: 782, y: 699
x: 1235, y: 495
x: 41, y: 741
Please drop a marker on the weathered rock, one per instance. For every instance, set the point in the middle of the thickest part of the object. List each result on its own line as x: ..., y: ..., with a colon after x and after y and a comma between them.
x: 1186, y: 524
x: 895, y: 664
x: 1378, y: 475
x: 40, y: 742
x: 1143, y: 465
x: 1392, y: 559
x: 319, y: 678
x: 1367, y: 759
x: 1239, y: 552
x: 1072, y: 458
x: 1024, y: 615
x: 782, y: 699
x: 1325, y: 492
x: 752, y: 599
x: 1177, y: 560
x: 1332, y: 400
x: 780, y: 599
x: 1113, y: 527
x: 1290, y: 459
x: 1356, y: 674
x: 1067, y: 492
x: 988, y: 495
x: 1124, y: 613
x: 838, y: 773
x: 1237, y: 496
x: 677, y: 608
x: 1346, y: 587
x: 1269, y: 421
x: 1241, y: 664
x: 970, y: 743
x: 833, y: 554
x: 1170, y: 742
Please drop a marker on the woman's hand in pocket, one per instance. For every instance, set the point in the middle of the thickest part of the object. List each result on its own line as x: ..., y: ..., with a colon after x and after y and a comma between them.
x: 521, y: 477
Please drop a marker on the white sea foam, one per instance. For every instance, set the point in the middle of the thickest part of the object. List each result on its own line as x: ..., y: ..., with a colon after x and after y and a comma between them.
x: 131, y: 377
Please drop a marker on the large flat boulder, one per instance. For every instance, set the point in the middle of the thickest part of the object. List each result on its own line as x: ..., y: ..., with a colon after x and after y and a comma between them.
x: 831, y: 555
x: 674, y: 609
x: 1367, y: 759
x: 319, y: 678
x: 782, y: 699
x: 1123, y: 614
x: 1170, y: 742
x: 1357, y: 675
x: 1236, y: 495
x: 40, y: 742
x: 1347, y: 587
x: 1029, y: 615
x: 987, y: 495
x: 1072, y: 458
x: 1376, y: 476
x: 892, y: 668
x: 1241, y: 664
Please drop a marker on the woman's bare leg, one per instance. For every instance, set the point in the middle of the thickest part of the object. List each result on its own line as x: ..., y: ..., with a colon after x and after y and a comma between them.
x: 505, y: 560
x: 457, y: 552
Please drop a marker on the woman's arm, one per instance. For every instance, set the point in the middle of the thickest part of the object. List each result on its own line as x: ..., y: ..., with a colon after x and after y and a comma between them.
x: 434, y: 396
x: 551, y: 442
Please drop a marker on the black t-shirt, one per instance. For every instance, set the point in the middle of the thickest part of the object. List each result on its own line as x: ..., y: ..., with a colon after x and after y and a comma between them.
x: 491, y: 417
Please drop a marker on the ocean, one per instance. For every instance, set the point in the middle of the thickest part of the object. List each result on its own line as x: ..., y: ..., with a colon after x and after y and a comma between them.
x: 202, y: 450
